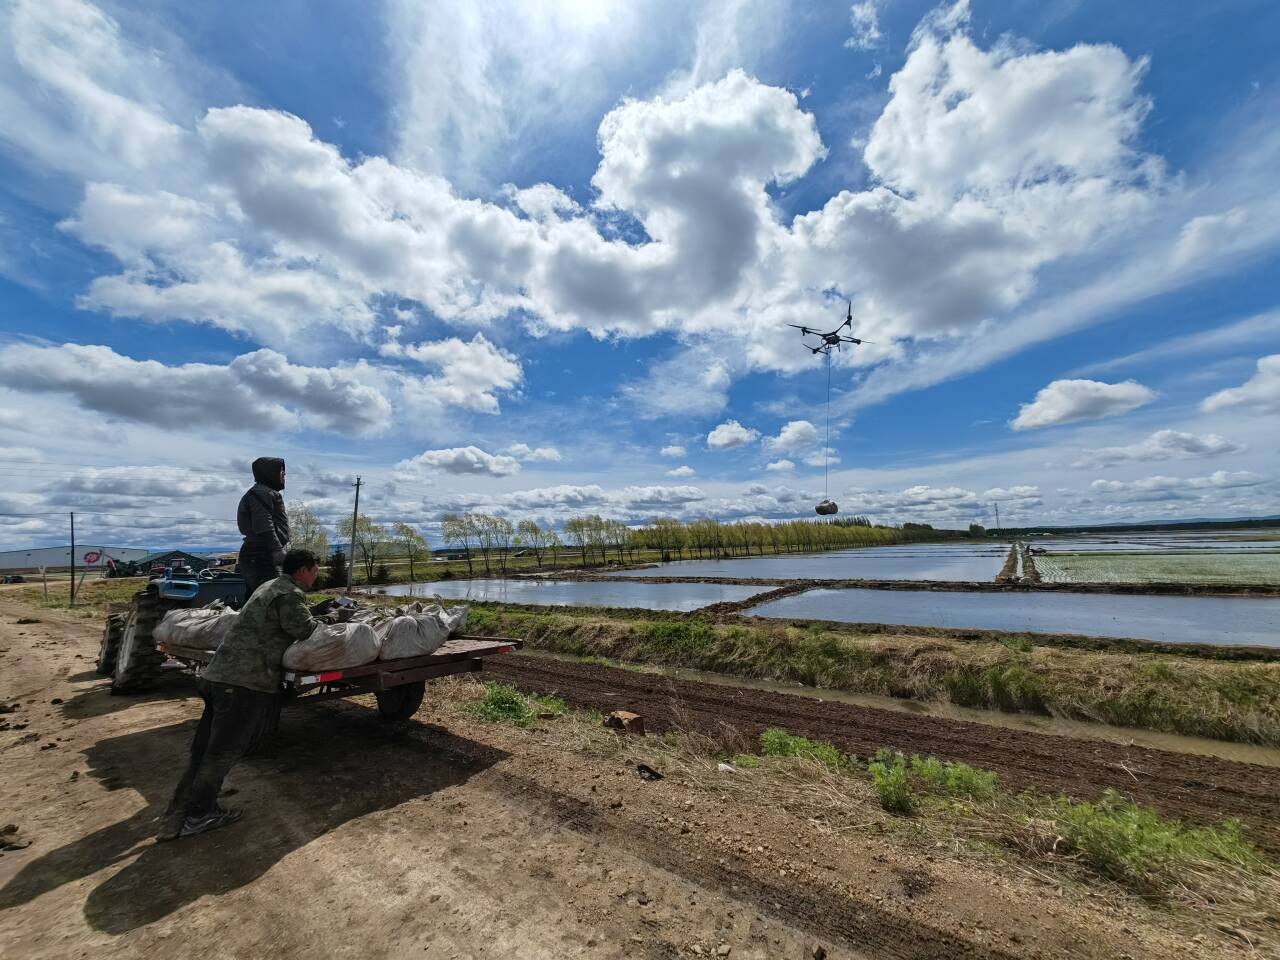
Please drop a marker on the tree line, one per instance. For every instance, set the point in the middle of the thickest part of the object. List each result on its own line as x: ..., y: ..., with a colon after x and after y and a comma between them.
x: 492, y: 541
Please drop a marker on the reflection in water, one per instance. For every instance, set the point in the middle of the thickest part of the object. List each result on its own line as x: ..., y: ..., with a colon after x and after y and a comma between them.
x: 1253, y: 621
x: 1058, y: 726
x: 924, y: 561
x: 680, y: 597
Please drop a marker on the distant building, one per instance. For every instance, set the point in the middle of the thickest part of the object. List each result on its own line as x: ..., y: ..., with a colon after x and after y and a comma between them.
x: 174, y: 557
x: 87, y: 557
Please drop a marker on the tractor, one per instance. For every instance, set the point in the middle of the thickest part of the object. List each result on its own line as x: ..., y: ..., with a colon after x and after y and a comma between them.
x: 128, y: 654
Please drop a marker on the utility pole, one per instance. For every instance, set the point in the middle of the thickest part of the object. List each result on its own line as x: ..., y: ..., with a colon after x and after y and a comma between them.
x: 71, y: 598
x: 355, y: 518
x: 997, y: 506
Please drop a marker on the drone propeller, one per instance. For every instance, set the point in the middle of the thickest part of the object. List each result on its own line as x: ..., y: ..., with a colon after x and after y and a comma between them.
x: 801, y: 328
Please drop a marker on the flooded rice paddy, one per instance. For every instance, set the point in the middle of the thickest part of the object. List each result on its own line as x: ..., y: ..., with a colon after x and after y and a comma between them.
x: 917, y: 561
x: 678, y: 597
x: 1251, y: 621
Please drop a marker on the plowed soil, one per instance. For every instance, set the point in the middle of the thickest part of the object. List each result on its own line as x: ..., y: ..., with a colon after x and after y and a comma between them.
x: 1195, y: 788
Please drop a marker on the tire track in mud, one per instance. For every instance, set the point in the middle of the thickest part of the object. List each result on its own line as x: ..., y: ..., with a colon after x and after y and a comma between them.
x: 817, y: 909
x: 1195, y: 788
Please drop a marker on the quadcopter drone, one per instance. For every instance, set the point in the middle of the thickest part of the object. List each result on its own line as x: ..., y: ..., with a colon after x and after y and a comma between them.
x: 833, y: 338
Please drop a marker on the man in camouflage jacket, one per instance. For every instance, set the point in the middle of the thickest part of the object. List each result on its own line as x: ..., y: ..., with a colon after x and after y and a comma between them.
x: 240, y: 688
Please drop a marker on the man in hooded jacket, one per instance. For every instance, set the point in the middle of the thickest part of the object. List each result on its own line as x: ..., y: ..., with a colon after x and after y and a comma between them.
x: 264, y: 523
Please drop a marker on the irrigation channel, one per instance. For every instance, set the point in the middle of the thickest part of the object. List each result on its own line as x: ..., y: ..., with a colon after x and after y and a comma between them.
x: 945, y: 602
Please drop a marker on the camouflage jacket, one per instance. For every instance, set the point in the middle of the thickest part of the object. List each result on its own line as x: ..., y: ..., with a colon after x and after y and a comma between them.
x: 274, y: 617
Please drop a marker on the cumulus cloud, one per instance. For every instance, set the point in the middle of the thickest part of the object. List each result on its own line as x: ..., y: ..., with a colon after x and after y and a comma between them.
x: 460, y: 461
x: 682, y: 471
x: 259, y: 391
x: 780, y: 466
x: 151, y: 482
x: 1020, y: 492
x: 471, y: 373
x: 673, y: 450
x: 522, y: 451
x: 1260, y: 392
x: 796, y: 435
x: 823, y: 457
x: 1161, y: 445
x: 1067, y: 401
x: 731, y: 434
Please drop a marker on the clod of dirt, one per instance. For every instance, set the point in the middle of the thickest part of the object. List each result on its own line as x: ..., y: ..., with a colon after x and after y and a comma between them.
x: 56, y: 700
x: 22, y: 620
x: 48, y: 746
x: 8, y: 707
x: 819, y: 952
x: 625, y: 720
x: 27, y: 738
x: 647, y: 772
x: 10, y: 840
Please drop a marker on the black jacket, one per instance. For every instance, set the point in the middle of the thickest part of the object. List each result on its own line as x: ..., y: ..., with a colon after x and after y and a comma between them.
x: 261, y: 515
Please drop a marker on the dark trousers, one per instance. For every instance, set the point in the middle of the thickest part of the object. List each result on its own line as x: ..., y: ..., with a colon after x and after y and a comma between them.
x: 257, y: 567
x: 232, y: 719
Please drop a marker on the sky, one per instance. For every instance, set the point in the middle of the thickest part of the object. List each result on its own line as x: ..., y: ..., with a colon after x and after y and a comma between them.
x: 538, y: 258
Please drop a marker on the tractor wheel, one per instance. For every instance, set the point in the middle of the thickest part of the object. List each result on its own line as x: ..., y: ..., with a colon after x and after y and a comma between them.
x: 137, y: 659
x: 110, y: 644
x: 402, y: 702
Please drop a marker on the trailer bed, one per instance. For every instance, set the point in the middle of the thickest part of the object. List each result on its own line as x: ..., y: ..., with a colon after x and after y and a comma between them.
x: 460, y: 654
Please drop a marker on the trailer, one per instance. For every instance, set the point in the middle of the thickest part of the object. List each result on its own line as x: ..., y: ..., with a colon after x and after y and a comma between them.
x: 398, y: 685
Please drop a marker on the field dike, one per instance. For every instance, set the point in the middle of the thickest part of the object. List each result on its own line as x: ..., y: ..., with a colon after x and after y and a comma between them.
x: 1171, y: 692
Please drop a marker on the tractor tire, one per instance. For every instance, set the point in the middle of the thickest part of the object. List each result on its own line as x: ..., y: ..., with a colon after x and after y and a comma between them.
x: 110, y: 644
x: 402, y: 702
x: 138, y: 661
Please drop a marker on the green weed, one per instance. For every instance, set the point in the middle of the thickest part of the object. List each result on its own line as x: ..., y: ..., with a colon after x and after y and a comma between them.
x: 778, y: 743
x: 503, y: 703
x: 954, y: 779
x: 889, y: 775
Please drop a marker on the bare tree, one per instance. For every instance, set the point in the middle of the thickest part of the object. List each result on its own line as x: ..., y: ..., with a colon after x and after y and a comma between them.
x: 367, y: 540
x: 305, y: 530
x: 457, y: 530
x: 414, y: 543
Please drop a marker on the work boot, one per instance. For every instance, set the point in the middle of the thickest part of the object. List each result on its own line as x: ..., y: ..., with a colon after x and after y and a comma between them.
x: 214, y: 819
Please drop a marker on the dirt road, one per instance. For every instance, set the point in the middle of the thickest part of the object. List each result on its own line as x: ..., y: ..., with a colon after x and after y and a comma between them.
x: 448, y: 837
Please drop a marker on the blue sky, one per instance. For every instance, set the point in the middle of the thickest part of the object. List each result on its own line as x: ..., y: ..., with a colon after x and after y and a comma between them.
x: 537, y: 259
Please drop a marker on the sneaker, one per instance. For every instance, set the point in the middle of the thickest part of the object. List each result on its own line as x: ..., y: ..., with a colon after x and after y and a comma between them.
x: 216, y: 818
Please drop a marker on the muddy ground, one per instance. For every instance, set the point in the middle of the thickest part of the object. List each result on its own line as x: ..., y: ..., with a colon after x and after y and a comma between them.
x: 445, y: 836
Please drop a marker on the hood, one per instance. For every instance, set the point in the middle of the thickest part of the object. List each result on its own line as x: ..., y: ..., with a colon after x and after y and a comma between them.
x: 266, y: 470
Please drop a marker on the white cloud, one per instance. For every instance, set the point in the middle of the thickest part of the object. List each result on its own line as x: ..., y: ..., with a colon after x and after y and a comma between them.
x: 673, y: 450
x: 1260, y: 392
x: 150, y: 482
x: 1160, y: 488
x: 1067, y: 401
x: 780, y: 466
x: 1020, y: 492
x: 522, y: 451
x: 1258, y: 328
x: 866, y: 26
x: 459, y: 461
x: 682, y: 471
x: 824, y: 457
x: 795, y: 435
x: 259, y: 391
x: 1161, y: 445
x: 471, y: 373
x: 731, y: 434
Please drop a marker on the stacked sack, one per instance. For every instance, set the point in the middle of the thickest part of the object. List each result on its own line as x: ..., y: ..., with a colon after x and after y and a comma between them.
x: 201, y: 629
x: 376, y: 633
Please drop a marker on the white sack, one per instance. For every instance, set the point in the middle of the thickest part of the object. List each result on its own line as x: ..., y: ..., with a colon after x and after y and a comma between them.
x: 203, y: 628
x: 421, y: 630
x: 334, y: 646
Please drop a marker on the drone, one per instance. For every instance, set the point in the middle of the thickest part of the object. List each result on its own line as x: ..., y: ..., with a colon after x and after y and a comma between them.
x: 833, y: 338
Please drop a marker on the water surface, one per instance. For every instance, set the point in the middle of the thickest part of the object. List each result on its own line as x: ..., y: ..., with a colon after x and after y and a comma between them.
x: 1253, y: 621
x: 911, y: 561
x: 680, y: 597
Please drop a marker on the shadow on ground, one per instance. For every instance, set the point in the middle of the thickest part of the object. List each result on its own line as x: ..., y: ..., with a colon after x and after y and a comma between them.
x: 331, y: 765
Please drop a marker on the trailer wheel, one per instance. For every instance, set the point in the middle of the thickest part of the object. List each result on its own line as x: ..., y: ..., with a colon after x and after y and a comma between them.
x: 402, y: 702
x: 137, y: 659
x: 110, y: 644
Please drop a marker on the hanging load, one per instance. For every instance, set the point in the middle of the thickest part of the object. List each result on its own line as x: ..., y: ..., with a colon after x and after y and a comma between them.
x: 334, y: 646
x: 200, y: 629
x: 828, y: 341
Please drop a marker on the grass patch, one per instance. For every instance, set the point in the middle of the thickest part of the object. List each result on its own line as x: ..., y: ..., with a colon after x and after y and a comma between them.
x: 744, y: 760
x: 503, y: 703
x: 1018, y: 644
x: 775, y: 742
x: 953, y: 779
x: 889, y: 777
x: 1143, y: 850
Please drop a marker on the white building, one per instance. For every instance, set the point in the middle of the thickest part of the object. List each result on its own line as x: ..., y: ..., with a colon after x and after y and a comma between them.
x: 88, y: 557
